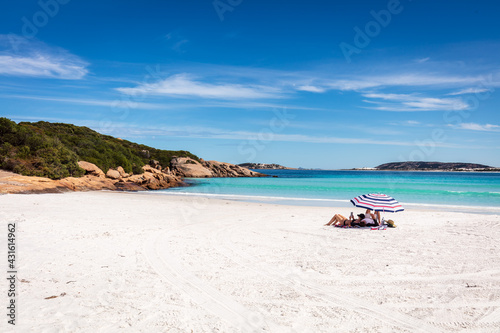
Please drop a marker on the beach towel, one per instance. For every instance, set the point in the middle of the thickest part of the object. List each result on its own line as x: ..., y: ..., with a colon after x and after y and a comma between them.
x: 381, y: 227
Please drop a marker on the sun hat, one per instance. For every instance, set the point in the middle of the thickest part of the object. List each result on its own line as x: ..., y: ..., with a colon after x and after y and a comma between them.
x: 391, y: 223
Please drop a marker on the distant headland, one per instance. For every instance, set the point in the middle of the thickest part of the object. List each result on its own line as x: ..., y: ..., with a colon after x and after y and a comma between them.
x: 432, y: 166
x: 393, y: 166
x: 264, y: 166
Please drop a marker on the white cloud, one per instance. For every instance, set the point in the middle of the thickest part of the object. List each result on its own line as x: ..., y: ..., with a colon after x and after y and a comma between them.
x: 201, y: 132
x: 478, y: 127
x: 469, y: 91
x: 118, y: 103
x: 225, y: 84
x: 422, y: 60
x: 257, y: 105
x: 184, y: 85
x: 413, y: 102
x: 311, y: 89
x: 360, y: 83
x: 21, y: 57
x: 240, y: 83
x: 41, y: 66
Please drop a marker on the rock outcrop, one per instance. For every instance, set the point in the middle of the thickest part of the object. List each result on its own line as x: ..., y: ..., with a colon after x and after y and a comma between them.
x: 189, y: 168
x: 223, y: 169
x: 154, y: 179
x: 122, y: 172
x: 151, y: 179
x: 264, y: 166
x: 155, y: 164
x: 85, y: 183
x: 113, y: 174
x: 90, y: 169
x: 13, y: 183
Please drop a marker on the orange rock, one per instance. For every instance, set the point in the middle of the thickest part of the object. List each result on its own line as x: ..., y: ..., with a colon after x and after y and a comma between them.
x: 91, y: 168
x: 113, y: 174
x: 122, y: 172
x: 14, y: 183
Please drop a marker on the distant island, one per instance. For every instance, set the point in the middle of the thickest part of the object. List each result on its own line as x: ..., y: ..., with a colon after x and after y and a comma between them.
x: 431, y: 166
x: 264, y: 166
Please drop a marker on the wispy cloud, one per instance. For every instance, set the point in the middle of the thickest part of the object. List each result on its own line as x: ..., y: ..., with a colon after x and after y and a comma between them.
x: 36, y: 59
x: 469, y: 91
x: 322, y: 80
x: 202, y: 132
x: 422, y: 60
x: 241, y: 83
x: 258, y: 105
x: 210, y: 81
x: 413, y: 102
x: 311, y: 89
x: 360, y: 83
x: 176, y: 41
x: 127, y: 103
x: 477, y: 127
x: 89, y: 101
x: 186, y: 86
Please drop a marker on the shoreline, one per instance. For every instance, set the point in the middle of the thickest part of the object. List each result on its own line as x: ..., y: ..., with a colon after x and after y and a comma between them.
x: 291, y: 201
x: 107, y: 260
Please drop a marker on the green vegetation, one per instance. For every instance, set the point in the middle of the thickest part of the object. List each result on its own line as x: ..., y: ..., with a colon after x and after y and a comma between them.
x: 429, y: 166
x: 53, y: 150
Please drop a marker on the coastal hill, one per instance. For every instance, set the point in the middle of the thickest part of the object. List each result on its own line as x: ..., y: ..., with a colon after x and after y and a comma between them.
x: 434, y: 166
x: 257, y: 166
x: 53, y: 157
x: 53, y: 150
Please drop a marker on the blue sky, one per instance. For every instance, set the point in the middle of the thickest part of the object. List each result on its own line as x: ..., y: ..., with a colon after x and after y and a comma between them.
x: 315, y: 84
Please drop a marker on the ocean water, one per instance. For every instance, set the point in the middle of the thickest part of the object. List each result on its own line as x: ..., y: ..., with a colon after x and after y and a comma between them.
x: 321, y: 187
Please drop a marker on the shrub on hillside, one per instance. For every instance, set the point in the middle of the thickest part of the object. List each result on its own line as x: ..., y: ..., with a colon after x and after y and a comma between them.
x: 53, y: 150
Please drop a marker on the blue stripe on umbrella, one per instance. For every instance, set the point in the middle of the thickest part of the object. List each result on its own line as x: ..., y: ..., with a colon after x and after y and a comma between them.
x: 377, y: 202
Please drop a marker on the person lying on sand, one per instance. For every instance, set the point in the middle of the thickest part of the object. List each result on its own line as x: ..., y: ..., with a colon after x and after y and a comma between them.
x: 338, y: 220
x: 363, y: 220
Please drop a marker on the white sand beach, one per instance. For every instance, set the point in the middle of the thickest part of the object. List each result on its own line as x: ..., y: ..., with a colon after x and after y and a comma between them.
x: 139, y: 262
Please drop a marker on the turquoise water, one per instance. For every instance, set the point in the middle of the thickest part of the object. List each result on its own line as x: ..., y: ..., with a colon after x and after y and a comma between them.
x: 421, y: 188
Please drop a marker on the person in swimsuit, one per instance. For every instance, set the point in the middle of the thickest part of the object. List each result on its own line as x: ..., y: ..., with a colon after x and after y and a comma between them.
x: 338, y: 220
x: 367, y: 219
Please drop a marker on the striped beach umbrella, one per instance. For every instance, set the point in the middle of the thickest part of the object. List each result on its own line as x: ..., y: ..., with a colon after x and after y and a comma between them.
x: 377, y: 202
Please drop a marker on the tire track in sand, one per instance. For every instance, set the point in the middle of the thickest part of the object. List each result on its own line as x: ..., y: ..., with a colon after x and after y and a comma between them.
x: 308, y: 287
x: 168, y: 266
